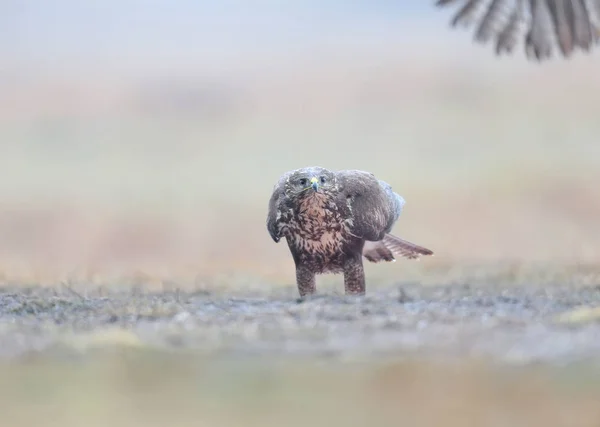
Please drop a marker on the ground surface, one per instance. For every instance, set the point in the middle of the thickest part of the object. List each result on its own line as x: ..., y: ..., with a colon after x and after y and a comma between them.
x: 513, y: 324
x: 453, y: 355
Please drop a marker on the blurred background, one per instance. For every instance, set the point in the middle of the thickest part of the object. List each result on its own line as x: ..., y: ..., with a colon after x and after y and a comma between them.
x: 144, y: 137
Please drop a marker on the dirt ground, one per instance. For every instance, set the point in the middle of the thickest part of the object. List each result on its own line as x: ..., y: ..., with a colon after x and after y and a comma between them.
x: 509, y: 324
x: 448, y: 354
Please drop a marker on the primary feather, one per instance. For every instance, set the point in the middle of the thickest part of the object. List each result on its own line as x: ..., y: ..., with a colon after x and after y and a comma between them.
x: 568, y: 25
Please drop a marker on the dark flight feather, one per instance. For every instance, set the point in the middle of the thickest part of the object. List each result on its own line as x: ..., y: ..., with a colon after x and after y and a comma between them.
x: 568, y: 25
x: 508, y: 36
x: 491, y: 20
x: 467, y: 13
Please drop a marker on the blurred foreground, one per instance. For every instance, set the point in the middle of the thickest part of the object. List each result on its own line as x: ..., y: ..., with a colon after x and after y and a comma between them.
x: 472, y: 355
x: 132, y: 387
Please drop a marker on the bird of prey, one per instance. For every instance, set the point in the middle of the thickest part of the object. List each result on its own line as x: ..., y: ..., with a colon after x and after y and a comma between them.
x: 570, y: 24
x: 331, y: 219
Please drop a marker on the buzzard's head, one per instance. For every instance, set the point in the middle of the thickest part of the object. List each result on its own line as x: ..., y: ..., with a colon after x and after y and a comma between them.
x: 308, y: 181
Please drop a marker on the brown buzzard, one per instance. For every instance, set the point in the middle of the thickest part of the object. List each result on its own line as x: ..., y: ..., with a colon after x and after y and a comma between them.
x: 332, y: 219
x: 570, y: 24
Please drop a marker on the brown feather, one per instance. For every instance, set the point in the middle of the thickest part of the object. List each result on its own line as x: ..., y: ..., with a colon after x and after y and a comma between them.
x: 377, y: 252
x: 404, y: 248
x: 384, y: 250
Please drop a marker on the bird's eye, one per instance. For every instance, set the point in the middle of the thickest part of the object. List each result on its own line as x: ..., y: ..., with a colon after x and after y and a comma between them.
x: 322, y: 180
x: 303, y: 181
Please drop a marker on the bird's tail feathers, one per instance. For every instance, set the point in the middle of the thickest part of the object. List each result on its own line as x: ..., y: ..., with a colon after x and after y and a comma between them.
x: 377, y: 252
x: 390, y: 245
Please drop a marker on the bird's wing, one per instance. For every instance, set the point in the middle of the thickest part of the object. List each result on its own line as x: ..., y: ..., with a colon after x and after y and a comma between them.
x: 274, y: 212
x: 371, y: 204
x: 570, y: 24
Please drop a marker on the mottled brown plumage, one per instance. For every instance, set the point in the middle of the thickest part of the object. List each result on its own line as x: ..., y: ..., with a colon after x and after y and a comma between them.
x: 332, y: 219
x: 570, y: 24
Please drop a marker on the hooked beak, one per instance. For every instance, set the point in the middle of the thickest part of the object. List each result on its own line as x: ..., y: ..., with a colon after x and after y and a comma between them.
x: 314, y: 183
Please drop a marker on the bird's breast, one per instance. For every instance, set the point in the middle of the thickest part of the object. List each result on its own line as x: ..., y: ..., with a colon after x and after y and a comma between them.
x: 318, y: 227
x: 318, y: 216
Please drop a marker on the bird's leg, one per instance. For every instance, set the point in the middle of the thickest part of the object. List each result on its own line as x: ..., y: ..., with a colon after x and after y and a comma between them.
x: 354, y: 276
x: 305, y: 279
